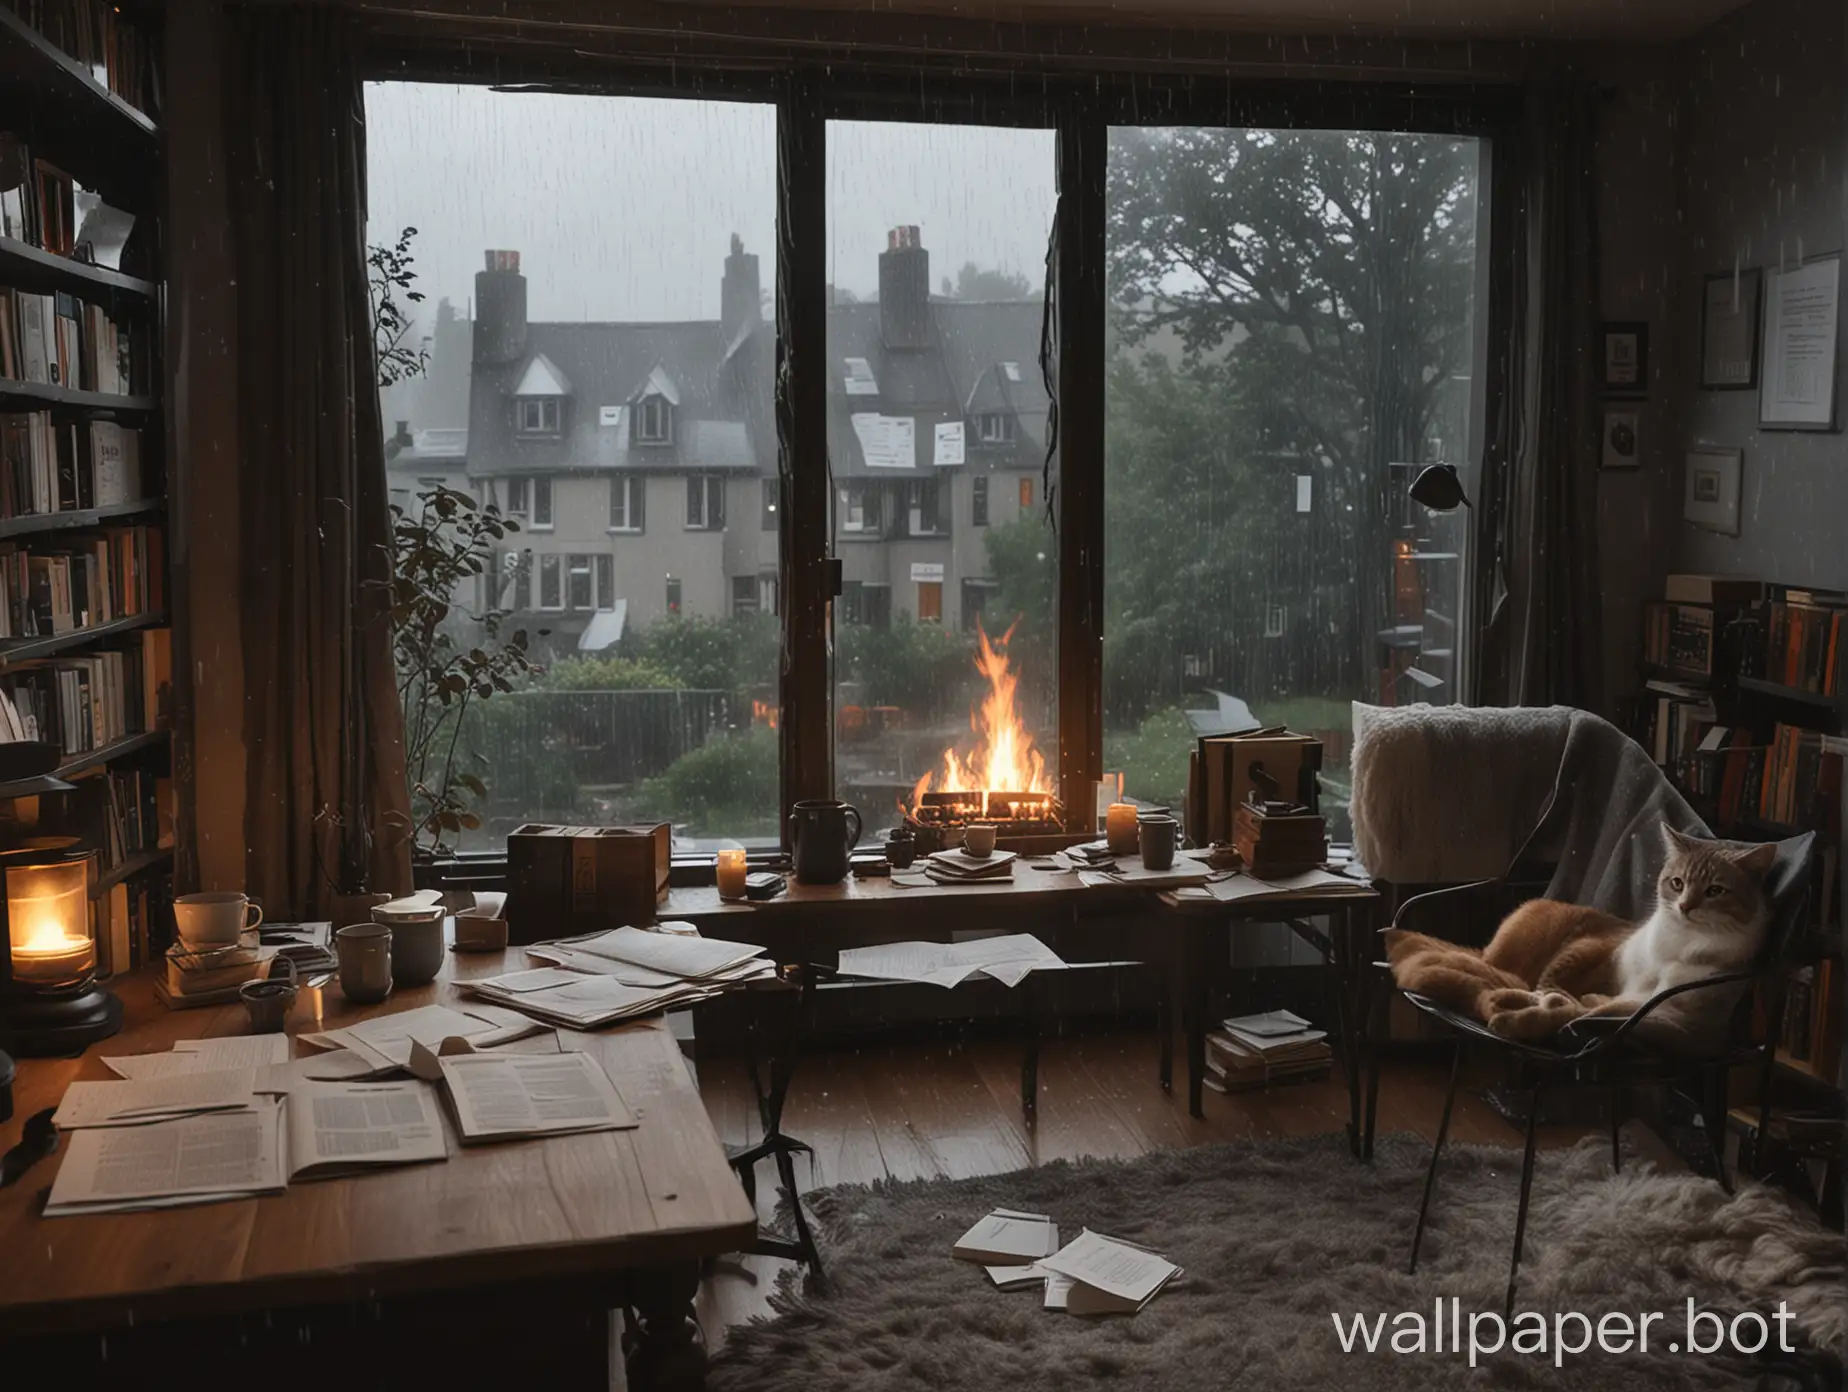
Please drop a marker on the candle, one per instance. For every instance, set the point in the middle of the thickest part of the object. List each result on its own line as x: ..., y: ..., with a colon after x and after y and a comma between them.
x: 50, y: 956
x: 732, y: 871
x: 1120, y: 828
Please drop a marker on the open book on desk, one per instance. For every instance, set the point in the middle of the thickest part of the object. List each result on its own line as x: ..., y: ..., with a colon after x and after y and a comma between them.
x: 502, y: 1097
x: 318, y: 1131
x: 658, y: 958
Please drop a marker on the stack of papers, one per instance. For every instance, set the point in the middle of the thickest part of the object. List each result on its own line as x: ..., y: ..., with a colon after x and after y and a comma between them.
x: 320, y: 1129
x: 205, y: 1056
x: 1254, y: 1051
x: 144, y: 1101
x: 1131, y: 871
x: 384, y: 1042
x: 497, y: 1098
x: 1311, y: 884
x: 1008, y: 959
x: 656, y: 960
x: 959, y: 867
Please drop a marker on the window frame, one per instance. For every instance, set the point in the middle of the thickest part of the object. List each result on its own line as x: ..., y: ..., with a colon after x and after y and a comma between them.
x: 709, y: 489
x: 978, y: 500
x: 654, y: 421
x: 1080, y: 99
x: 544, y: 429
x: 580, y: 563
x: 541, y: 489
x: 634, y: 491
x: 604, y: 582
x: 555, y: 563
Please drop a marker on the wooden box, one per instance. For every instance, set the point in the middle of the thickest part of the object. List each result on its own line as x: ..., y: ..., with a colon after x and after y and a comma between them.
x: 1274, y: 845
x: 1220, y: 780
x: 567, y: 880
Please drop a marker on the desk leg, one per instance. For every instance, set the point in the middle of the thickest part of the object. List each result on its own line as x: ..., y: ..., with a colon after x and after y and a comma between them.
x: 662, y: 1349
x: 1195, y: 1002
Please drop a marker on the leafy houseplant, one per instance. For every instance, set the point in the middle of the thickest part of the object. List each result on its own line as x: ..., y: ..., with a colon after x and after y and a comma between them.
x: 438, y: 548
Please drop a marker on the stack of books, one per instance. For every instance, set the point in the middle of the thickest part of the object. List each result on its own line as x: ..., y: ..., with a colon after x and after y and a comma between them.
x: 211, y: 975
x: 1254, y: 1051
x: 959, y: 867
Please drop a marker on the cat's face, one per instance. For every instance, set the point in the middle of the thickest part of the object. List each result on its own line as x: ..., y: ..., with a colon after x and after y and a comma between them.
x: 1712, y: 886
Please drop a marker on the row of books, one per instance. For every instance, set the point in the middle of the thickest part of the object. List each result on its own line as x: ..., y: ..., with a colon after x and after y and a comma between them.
x: 46, y: 591
x: 138, y: 815
x: 115, y: 50
x: 88, y: 702
x: 41, y: 209
x: 60, y: 340
x: 49, y: 466
x: 1679, y: 637
x: 1794, y: 781
x: 1678, y: 719
x: 1812, y: 1025
x: 133, y: 924
x: 1799, y: 644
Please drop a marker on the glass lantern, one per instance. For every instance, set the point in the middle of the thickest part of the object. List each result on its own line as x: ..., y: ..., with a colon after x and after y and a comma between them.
x: 50, y: 1002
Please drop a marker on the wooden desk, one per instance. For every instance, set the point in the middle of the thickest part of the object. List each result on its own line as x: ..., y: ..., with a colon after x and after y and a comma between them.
x: 1198, y: 962
x: 559, y: 1231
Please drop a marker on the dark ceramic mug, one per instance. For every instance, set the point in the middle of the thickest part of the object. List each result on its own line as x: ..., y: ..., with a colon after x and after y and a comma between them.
x: 820, y: 837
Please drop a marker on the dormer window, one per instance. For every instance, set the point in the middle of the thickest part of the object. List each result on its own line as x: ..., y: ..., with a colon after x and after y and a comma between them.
x: 995, y: 428
x: 654, y: 421
x: 536, y: 415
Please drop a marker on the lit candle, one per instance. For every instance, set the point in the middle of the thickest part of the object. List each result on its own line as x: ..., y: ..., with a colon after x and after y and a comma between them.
x: 731, y: 874
x: 50, y: 955
x: 1120, y: 828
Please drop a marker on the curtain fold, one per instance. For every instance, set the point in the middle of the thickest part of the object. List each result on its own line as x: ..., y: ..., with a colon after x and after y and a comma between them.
x: 328, y: 809
x: 1537, y: 592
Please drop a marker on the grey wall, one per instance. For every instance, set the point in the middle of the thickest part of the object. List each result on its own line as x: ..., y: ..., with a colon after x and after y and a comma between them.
x: 1763, y: 144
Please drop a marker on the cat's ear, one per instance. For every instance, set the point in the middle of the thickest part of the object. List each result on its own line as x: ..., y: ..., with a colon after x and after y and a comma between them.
x: 1758, y: 860
x: 1674, y: 841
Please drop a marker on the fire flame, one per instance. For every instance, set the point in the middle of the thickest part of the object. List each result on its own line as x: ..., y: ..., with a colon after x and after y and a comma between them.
x: 1004, y: 759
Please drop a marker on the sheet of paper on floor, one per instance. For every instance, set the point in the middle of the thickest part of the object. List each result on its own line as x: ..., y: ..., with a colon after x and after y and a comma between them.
x: 498, y: 1097
x: 1008, y: 1237
x: 1110, y: 1275
x: 136, y: 1102
x: 194, y: 1159
x: 1017, y: 1277
x: 336, y: 1128
x: 1058, y: 1291
x: 205, y: 1056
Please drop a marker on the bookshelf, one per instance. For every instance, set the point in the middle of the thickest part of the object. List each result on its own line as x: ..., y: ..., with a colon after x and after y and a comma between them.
x: 79, y: 91
x: 1745, y: 706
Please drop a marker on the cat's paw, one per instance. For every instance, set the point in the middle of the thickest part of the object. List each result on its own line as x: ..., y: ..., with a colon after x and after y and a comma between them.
x: 1506, y: 1000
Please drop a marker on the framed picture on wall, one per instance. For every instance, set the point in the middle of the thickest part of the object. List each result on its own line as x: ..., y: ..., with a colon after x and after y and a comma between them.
x: 1622, y: 439
x: 1625, y: 362
x: 1802, y: 335
x: 1729, y: 320
x: 1711, y: 499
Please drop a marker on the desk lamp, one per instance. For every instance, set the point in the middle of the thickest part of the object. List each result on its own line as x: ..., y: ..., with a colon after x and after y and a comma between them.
x: 50, y: 1002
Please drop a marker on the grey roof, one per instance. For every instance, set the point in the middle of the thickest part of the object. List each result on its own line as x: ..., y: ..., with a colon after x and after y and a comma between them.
x: 964, y: 377
x: 431, y: 451
x: 612, y: 365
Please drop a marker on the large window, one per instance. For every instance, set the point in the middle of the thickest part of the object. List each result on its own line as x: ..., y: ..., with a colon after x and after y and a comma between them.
x: 1292, y: 319
x: 593, y: 343
x: 937, y: 248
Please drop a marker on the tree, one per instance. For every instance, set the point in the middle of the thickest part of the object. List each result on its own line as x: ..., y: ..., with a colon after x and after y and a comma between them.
x: 389, y: 275
x: 1318, y: 283
x: 975, y: 283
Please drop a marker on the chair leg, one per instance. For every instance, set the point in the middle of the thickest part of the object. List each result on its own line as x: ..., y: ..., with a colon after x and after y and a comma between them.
x: 1527, y: 1184
x: 1617, y: 1100
x: 1437, y: 1149
x: 1713, y: 1122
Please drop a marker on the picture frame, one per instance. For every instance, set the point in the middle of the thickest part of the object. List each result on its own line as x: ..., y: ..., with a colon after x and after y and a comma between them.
x: 1623, y: 363
x: 1799, y: 385
x: 1711, y: 493
x: 1622, y: 447
x: 1731, y: 320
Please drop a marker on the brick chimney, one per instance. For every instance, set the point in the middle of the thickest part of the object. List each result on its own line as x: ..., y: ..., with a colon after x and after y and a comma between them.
x: 741, y: 291
x: 904, y: 290
x: 500, y: 309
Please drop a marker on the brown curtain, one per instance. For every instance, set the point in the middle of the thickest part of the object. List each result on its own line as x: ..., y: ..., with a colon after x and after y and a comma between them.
x: 1537, y: 595
x: 328, y: 807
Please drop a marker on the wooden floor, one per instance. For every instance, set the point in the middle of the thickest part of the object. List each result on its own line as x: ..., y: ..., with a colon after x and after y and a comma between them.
x: 920, y: 1111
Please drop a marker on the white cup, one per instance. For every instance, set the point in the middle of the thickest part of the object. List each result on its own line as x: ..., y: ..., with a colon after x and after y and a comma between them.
x: 217, y: 918
x: 979, y: 839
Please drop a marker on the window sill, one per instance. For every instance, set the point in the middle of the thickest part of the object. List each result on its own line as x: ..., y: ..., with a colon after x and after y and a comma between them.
x: 538, y: 526
x: 625, y: 531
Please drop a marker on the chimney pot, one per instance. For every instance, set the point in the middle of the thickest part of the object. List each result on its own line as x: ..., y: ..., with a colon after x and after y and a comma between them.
x: 904, y: 290
x: 500, y: 309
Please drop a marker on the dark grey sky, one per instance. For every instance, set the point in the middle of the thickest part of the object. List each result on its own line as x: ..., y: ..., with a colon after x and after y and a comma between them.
x: 622, y: 208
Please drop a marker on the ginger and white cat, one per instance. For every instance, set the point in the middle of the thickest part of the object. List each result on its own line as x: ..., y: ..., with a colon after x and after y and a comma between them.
x: 1710, y: 917
x: 1552, y: 963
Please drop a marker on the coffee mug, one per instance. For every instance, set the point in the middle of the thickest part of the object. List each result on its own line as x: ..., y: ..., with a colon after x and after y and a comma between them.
x: 364, y: 950
x: 1158, y: 837
x: 416, y: 945
x: 979, y: 839
x: 269, y: 1001
x: 822, y: 842
x: 217, y: 918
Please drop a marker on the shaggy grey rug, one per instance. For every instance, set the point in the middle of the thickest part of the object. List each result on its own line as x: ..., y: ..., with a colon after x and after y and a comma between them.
x: 1277, y: 1236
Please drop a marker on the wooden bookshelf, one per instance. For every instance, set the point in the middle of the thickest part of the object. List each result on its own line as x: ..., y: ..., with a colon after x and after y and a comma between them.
x: 70, y: 119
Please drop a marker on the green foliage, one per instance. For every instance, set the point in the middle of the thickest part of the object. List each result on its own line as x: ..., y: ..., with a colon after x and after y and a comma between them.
x: 976, y: 283
x: 728, y: 786
x: 607, y: 674
x: 898, y: 665
x: 737, y: 654
x: 438, y: 549
x: 1153, y: 757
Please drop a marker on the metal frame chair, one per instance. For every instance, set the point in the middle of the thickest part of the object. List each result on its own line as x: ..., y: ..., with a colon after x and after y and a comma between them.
x: 1610, y: 1053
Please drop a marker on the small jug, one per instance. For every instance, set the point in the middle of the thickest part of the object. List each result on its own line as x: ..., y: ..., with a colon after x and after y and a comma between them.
x: 818, y: 833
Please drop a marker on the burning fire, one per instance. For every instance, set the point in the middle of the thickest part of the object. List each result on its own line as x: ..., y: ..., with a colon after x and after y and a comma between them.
x: 1004, y: 759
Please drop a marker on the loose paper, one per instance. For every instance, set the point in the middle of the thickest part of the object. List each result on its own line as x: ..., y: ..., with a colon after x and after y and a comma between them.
x: 137, y: 1102
x: 205, y: 1056
x: 195, y: 1159
x: 1007, y: 959
x: 502, y: 1096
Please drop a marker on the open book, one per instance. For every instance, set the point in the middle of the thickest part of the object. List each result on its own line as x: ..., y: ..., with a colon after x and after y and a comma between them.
x: 499, y: 1097
x: 1108, y: 1276
x: 319, y: 1130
